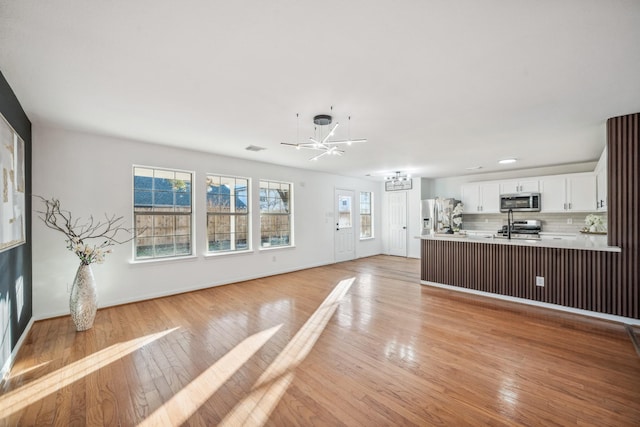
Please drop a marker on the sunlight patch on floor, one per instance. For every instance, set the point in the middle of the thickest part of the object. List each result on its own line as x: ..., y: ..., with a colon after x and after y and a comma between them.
x: 33, y: 391
x: 16, y: 371
x: 186, y: 402
x: 254, y: 410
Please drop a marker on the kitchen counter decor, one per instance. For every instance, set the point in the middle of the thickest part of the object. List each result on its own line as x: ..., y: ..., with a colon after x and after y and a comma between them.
x: 599, y: 233
x: 594, y: 224
x: 83, y: 300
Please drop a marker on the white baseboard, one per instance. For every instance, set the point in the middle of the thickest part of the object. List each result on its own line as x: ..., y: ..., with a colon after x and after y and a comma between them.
x: 605, y: 316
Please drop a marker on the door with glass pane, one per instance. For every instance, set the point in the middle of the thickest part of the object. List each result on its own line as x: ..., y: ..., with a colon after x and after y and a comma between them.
x: 344, y: 226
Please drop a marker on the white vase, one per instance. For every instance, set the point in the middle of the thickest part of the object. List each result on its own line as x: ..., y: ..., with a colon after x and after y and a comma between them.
x: 83, y: 300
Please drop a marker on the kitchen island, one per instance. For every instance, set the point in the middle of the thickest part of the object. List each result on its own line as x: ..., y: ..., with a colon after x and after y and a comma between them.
x: 574, y: 273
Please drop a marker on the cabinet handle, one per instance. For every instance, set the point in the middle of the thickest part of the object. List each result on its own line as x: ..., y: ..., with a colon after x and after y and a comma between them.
x: 565, y: 206
x: 569, y: 205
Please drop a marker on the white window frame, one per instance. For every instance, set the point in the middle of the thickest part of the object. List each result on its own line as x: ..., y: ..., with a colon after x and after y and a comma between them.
x: 176, y: 214
x: 370, y: 214
x: 289, y: 214
x: 232, y: 216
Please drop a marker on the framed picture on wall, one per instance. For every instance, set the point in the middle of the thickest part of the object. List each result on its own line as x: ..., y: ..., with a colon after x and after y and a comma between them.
x: 12, y: 188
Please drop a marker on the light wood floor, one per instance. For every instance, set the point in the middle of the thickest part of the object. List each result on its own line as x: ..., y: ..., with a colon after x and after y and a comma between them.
x: 316, y: 348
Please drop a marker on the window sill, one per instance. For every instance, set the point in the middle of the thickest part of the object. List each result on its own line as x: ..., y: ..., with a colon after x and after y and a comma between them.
x: 367, y: 238
x: 227, y: 253
x: 163, y: 260
x: 273, y: 248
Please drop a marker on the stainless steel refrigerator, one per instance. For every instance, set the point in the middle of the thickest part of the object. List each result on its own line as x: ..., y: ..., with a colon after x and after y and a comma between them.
x: 437, y: 215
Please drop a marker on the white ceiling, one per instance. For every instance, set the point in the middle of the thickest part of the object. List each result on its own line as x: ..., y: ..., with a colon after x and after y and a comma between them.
x: 435, y: 86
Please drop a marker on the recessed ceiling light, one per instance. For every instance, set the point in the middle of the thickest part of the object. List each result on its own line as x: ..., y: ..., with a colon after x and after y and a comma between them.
x: 507, y: 161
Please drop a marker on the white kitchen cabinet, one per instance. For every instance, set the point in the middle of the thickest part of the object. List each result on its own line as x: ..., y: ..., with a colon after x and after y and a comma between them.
x: 568, y: 193
x: 601, y: 182
x: 481, y: 197
x: 527, y: 185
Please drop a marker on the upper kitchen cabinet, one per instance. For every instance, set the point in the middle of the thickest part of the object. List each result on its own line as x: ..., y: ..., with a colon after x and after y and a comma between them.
x: 527, y: 185
x: 568, y: 193
x: 481, y: 197
x: 601, y: 182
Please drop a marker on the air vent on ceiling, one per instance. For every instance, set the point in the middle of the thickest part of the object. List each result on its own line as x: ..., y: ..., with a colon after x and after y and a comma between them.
x: 254, y: 148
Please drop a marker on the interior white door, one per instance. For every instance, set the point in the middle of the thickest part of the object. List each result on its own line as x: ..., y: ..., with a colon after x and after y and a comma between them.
x: 398, y: 223
x: 344, y: 242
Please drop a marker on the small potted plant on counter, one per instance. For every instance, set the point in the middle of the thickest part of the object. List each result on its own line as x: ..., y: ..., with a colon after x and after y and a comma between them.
x: 594, y: 224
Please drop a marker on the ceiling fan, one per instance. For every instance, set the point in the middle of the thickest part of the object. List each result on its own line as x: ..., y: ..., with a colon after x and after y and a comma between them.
x: 323, y: 144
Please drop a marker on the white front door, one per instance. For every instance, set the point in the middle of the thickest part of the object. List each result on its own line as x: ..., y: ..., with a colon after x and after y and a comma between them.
x: 398, y: 223
x: 345, y: 222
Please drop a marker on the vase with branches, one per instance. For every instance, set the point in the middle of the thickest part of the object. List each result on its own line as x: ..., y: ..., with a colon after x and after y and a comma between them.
x: 90, y: 240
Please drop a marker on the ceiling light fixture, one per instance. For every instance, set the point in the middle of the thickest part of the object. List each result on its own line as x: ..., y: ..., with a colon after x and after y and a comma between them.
x: 320, y: 141
x: 507, y: 161
x: 397, y: 177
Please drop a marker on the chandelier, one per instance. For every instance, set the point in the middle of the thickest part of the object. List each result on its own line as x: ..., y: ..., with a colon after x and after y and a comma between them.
x: 397, y: 177
x: 322, y: 141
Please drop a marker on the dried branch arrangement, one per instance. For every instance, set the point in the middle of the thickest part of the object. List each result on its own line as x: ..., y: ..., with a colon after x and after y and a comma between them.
x: 107, y: 232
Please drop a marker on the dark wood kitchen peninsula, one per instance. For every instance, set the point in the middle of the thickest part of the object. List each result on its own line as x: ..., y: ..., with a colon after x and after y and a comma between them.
x: 572, y: 277
x: 602, y: 278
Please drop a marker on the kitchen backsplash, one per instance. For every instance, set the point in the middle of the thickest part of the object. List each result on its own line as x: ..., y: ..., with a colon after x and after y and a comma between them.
x: 551, y: 222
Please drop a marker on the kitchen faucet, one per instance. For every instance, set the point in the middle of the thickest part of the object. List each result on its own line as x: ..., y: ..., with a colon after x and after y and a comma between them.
x: 509, y: 222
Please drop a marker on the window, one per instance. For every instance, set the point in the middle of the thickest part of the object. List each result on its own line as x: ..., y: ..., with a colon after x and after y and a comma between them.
x: 275, y: 214
x: 162, y: 212
x: 227, y: 214
x: 366, y: 215
x: 344, y: 212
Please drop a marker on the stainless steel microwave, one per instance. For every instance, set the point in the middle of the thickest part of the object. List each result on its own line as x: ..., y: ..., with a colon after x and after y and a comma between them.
x: 520, y: 202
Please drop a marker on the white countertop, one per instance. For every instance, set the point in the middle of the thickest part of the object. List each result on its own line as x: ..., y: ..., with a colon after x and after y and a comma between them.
x: 582, y: 241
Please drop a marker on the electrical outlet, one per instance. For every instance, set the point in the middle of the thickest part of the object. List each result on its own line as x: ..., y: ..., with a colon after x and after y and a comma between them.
x: 569, y: 220
x: 274, y: 258
x: 539, y: 281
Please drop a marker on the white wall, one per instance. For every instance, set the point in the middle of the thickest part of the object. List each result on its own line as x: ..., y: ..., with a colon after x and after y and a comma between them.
x: 92, y: 174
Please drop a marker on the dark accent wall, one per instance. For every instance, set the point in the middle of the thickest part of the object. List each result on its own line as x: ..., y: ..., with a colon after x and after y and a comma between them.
x: 605, y: 282
x: 623, y: 164
x: 16, y: 262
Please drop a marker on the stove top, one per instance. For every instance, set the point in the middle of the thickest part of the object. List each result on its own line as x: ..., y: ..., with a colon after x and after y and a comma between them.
x: 527, y: 228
